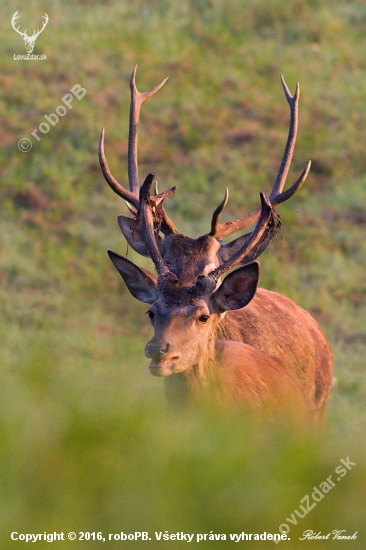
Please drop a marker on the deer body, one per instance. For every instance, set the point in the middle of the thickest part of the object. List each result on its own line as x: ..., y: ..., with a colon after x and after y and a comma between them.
x: 277, y: 326
x: 255, y: 346
x: 277, y: 345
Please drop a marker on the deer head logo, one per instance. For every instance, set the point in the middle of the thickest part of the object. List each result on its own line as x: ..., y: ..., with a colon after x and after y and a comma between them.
x: 29, y: 40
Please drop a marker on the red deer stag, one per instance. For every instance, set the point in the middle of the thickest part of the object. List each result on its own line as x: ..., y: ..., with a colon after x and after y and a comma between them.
x: 258, y: 346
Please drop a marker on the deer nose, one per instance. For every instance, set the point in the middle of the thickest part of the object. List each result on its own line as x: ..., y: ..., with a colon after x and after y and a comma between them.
x: 156, y: 351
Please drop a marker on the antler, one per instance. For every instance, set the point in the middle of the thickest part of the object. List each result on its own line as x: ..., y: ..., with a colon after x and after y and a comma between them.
x: 13, y: 21
x: 264, y: 223
x: 132, y: 196
x: 37, y: 33
x: 277, y: 195
x: 147, y: 206
x: 217, y: 213
x: 24, y: 34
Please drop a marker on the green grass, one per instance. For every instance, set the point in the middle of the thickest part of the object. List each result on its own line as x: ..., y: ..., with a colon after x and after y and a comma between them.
x: 87, y: 443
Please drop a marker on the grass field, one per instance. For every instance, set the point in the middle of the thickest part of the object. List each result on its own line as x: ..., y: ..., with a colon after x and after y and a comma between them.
x: 87, y: 443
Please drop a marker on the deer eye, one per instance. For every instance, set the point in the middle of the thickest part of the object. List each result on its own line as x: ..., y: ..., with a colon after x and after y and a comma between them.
x: 151, y: 314
x: 203, y: 318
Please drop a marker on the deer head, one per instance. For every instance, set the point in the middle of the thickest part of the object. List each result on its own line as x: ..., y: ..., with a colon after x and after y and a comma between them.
x: 184, y: 316
x: 29, y: 40
x: 187, y: 298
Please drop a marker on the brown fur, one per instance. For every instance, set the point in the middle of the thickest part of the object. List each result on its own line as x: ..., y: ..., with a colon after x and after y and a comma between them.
x: 263, y: 382
x: 275, y: 325
x: 188, y: 258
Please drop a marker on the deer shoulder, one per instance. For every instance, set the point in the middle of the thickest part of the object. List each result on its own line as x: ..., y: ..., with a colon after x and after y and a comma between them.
x: 261, y: 380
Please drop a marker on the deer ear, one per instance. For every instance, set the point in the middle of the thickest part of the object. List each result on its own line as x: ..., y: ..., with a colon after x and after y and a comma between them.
x: 140, y: 282
x: 236, y: 290
x: 228, y: 249
x: 133, y: 235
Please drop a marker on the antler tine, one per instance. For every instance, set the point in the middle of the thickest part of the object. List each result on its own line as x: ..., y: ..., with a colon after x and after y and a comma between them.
x: 158, y: 199
x: 112, y: 182
x: 137, y: 98
x: 147, y: 222
x: 217, y: 213
x: 131, y: 209
x: 285, y: 195
x: 277, y: 195
x: 266, y: 216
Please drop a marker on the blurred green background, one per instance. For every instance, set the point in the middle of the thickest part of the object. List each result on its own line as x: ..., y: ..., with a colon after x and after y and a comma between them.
x: 87, y: 442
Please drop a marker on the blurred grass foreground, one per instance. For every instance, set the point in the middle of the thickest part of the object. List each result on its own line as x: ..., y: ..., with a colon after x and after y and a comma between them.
x: 87, y: 442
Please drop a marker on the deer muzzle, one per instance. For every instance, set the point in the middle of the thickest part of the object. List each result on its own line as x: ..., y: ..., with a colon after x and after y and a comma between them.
x: 163, y: 358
